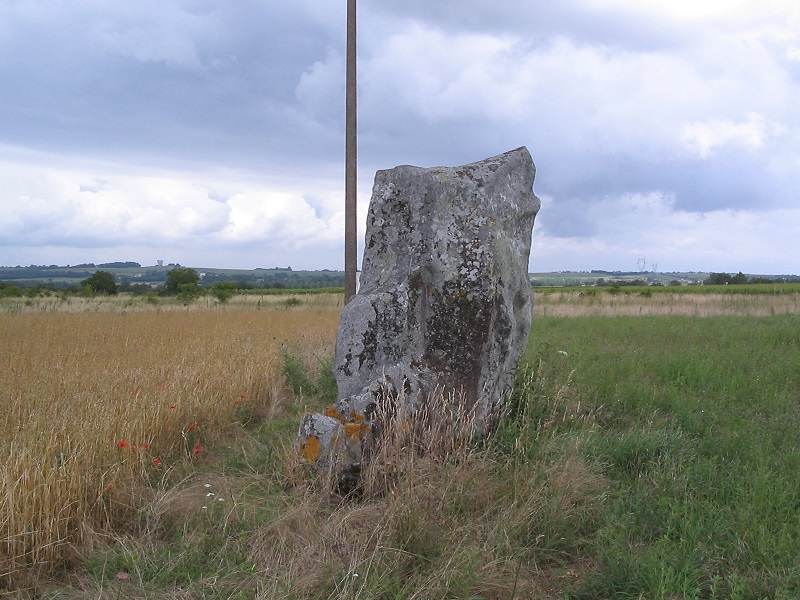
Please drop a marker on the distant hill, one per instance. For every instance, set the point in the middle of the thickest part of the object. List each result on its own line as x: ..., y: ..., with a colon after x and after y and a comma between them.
x: 130, y: 274
x: 595, y: 277
x: 134, y: 274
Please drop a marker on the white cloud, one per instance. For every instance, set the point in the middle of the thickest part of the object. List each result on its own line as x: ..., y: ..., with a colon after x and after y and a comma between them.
x: 72, y: 207
x: 703, y: 138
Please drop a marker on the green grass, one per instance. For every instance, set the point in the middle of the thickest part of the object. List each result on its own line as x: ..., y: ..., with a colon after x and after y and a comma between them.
x: 639, y: 457
x: 697, y: 428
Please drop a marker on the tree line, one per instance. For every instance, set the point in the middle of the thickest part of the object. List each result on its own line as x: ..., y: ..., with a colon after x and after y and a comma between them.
x: 184, y: 282
x: 740, y: 278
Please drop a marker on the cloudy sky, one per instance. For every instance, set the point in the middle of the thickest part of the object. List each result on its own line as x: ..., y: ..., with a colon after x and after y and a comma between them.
x: 211, y: 132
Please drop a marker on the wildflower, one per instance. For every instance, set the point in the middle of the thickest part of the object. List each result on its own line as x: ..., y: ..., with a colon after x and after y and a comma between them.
x: 195, y: 426
x: 172, y: 407
x: 156, y: 461
x: 122, y: 444
x: 196, y: 451
x: 134, y: 448
x: 145, y: 445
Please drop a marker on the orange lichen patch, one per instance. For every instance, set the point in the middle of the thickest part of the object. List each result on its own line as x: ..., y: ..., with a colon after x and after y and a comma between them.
x: 354, y: 430
x: 356, y: 427
x: 310, y: 449
x: 357, y: 418
x: 332, y: 412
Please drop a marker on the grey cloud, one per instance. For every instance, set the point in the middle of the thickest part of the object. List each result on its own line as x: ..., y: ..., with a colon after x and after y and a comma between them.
x: 538, y: 22
x: 167, y: 81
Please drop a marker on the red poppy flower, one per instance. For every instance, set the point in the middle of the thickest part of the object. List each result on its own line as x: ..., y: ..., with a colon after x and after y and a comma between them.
x: 196, y: 451
x: 145, y: 445
x: 156, y: 461
x: 122, y: 444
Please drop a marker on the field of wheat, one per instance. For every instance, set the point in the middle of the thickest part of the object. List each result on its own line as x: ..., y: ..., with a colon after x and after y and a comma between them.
x: 94, y: 403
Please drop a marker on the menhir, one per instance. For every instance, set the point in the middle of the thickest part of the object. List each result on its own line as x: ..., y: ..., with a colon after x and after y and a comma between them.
x: 444, y: 305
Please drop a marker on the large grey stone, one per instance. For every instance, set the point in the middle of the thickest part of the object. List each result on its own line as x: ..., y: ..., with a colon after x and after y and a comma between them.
x: 444, y: 303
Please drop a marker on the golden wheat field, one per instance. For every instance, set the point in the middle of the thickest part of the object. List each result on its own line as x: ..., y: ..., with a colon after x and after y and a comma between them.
x: 100, y: 395
x: 97, y: 396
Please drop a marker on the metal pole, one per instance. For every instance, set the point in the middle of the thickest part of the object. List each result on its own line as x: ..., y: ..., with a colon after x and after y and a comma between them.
x: 350, y: 177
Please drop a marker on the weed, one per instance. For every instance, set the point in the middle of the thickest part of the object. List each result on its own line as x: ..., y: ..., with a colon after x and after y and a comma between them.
x: 291, y: 302
x: 308, y: 377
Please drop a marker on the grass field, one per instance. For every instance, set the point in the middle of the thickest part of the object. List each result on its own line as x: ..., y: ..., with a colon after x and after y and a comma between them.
x: 650, y: 450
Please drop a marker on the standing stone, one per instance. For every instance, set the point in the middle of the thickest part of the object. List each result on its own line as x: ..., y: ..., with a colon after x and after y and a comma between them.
x: 444, y: 302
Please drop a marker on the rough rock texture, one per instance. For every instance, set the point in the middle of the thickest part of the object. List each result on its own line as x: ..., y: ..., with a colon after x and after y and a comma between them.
x: 444, y: 302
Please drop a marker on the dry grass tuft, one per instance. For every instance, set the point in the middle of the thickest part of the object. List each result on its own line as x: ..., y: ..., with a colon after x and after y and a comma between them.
x: 438, y: 516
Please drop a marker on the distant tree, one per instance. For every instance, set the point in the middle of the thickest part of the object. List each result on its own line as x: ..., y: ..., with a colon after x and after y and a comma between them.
x: 188, y: 292
x: 8, y: 291
x: 718, y: 279
x: 223, y: 290
x: 178, y: 277
x: 725, y: 278
x: 101, y: 282
x: 120, y: 265
x: 739, y: 278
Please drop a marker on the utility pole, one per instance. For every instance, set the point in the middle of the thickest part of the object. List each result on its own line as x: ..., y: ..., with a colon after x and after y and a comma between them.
x: 350, y: 163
